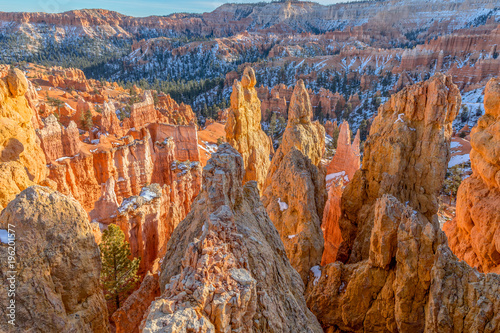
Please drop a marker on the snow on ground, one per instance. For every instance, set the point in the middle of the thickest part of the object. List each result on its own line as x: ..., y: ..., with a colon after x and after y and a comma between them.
x: 147, y: 194
x: 458, y: 159
x: 317, y: 274
x: 455, y: 144
x: 62, y: 158
x: 283, y: 205
x: 335, y: 175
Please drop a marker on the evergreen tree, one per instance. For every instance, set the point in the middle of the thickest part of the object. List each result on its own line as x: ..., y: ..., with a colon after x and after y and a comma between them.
x: 86, y: 120
x: 272, y: 126
x: 452, y: 181
x: 119, y: 273
x: 57, y: 103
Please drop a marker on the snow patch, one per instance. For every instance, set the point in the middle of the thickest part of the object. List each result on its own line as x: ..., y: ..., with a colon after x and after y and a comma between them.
x: 317, y: 274
x: 399, y: 118
x: 62, y: 158
x: 336, y: 175
x: 148, y: 195
x: 458, y: 159
x: 291, y: 236
x: 283, y: 205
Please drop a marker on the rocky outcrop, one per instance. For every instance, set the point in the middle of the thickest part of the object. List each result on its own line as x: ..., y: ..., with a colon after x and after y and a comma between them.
x: 57, y: 263
x: 407, y: 280
x: 346, y: 160
x: 406, y: 133
x: 243, y: 129
x: 277, y: 100
x: 474, y: 235
x: 294, y: 191
x: 341, y: 169
x: 106, y: 208
x: 22, y: 162
x: 225, y: 268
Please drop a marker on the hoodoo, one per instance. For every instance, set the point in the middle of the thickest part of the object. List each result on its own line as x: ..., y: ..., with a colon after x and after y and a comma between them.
x: 57, y: 263
x: 225, y: 267
x: 294, y: 192
x: 243, y: 129
x: 400, y: 275
x: 474, y: 235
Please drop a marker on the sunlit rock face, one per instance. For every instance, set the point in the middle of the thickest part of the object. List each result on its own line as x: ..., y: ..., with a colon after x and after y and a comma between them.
x: 58, y: 265
x: 398, y: 273
x: 474, y: 235
x: 243, y: 129
x: 294, y: 191
x: 225, y: 268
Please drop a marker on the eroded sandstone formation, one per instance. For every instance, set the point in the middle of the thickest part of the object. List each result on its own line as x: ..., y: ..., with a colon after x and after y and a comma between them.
x: 340, y: 170
x: 405, y: 134
x: 294, y: 191
x: 58, y: 265
x: 407, y: 279
x: 243, y: 129
x: 129, y: 316
x: 474, y: 235
x: 225, y: 268
x: 346, y: 160
x: 22, y: 162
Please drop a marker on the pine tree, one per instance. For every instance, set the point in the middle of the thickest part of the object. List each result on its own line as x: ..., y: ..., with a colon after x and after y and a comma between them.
x: 86, y: 120
x: 119, y: 273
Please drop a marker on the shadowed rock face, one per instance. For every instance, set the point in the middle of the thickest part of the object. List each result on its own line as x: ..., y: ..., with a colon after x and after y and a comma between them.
x: 225, y: 268
x: 243, y: 129
x: 58, y: 265
x: 339, y: 172
x: 294, y: 192
x: 407, y: 279
x: 474, y: 235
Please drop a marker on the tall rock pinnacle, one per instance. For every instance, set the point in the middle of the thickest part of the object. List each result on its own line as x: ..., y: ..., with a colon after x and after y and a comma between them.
x: 474, y: 235
x: 405, y: 155
x: 58, y: 285
x: 225, y: 268
x: 294, y: 192
x: 407, y: 279
x: 243, y: 129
